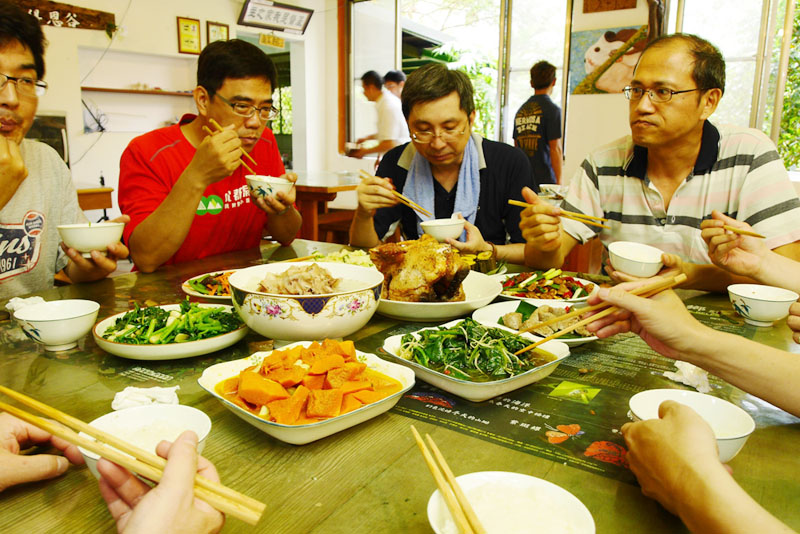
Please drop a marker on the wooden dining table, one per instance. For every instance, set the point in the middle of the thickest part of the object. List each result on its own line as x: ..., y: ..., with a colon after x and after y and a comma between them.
x: 314, y: 190
x: 367, y: 479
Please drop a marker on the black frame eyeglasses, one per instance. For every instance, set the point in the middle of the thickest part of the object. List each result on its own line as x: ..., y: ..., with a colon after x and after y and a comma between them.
x: 25, y: 86
x: 267, y: 113
x: 658, y: 95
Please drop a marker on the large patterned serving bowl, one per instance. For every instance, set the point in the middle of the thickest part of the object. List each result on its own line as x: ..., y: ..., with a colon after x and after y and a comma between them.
x: 305, y: 317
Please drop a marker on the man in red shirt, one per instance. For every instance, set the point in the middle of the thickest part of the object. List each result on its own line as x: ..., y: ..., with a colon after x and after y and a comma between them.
x: 185, y: 190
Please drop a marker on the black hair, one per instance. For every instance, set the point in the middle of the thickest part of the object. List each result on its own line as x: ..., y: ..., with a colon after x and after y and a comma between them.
x: 17, y: 25
x: 709, y: 66
x: 395, y: 76
x: 235, y: 59
x: 542, y: 75
x: 372, y: 78
x: 434, y: 81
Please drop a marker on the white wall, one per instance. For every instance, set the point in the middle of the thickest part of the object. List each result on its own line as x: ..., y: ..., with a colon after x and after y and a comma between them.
x: 149, y: 27
x: 594, y: 120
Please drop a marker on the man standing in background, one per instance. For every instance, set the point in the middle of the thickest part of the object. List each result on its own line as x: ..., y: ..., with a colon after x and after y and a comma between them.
x: 394, y: 80
x: 537, y: 127
x: 392, y: 127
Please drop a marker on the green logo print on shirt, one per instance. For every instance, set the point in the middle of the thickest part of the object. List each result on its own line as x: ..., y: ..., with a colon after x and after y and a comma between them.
x: 211, y: 205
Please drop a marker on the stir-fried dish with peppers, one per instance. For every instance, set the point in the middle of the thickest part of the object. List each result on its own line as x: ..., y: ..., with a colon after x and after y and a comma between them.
x: 470, y: 351
x: 550, y: 284
x: 212, y: 284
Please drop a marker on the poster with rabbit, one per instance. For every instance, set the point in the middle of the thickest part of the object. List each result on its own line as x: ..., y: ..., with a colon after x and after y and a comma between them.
x: 602, y: 60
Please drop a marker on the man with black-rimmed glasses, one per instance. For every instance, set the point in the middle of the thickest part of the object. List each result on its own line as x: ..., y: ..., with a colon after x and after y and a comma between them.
x: 36, y: 190
x: 658, y: 185
x: 184, y: 185
x: 446, y: 168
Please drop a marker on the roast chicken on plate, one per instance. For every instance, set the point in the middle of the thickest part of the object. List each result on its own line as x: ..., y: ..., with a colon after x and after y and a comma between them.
x: 421, y: 270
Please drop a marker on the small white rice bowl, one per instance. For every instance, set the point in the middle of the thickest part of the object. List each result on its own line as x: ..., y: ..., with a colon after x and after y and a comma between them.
x: 265, y: 186
x: 635, y: 259
x: 731, y: 425
x: 87, y: 237
x: 442, y: 229
x: 146, y: 426
x: 58, y: 324
x: 761, y: 305
x: 303, y: 317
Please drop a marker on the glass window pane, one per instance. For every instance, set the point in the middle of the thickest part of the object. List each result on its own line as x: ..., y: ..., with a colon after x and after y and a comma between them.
x: 734, y: 108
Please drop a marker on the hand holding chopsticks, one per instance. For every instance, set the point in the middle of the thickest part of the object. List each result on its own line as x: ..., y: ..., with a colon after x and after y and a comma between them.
x: 143, y: 462
x: 647, y: 290
x: 580, y: 217
x: 219, y: 128
x: 464, y: 516
x: 400, y: 197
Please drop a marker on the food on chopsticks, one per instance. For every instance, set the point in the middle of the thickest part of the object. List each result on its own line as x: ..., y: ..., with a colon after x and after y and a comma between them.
x: 351, y: 257
x: 527, y: 315
x: 310, y: 279
x: 551, y: 284
x: 421, y: 270
x: 212, y: 284
x: 470, y: 351
x: 153, y: 325
x: 305, y: 385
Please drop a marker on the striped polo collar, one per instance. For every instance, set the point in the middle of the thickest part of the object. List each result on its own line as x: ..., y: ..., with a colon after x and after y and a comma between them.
x: 636, y: 165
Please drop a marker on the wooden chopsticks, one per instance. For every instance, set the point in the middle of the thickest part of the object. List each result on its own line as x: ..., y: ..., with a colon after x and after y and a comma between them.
x: 645, y: 291
x: 143, y: 462
x: 301, y: 258
x: 216, y: 125
x: 742, y: 232
x: 401, y: 197
x: 464, y: 516
x: 580, y: 217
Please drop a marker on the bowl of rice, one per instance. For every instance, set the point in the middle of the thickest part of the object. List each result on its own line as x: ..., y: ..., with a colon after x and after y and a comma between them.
x: 306, y: 300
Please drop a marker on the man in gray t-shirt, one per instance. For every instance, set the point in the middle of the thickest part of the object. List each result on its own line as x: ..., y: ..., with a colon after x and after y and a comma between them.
x: 36, y: 191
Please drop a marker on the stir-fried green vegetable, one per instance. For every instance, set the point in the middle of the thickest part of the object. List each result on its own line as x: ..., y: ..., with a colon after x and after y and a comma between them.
x: 471, y: 351
x: 154, y: 325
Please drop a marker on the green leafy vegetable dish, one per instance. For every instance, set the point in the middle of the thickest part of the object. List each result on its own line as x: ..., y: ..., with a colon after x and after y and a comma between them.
x: 470, y: 351
x: 154, y: 325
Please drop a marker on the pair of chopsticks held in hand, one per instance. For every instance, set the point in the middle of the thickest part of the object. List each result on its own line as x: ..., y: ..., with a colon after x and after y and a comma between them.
x: 144, y: 463
x: 590, y: 220
x: 219, y: 128
x: 461, y: 510
x: 401, y: 197
x: 603, y: 309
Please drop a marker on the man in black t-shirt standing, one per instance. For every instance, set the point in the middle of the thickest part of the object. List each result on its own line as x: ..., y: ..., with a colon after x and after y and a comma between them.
x: 537, y: 127
x: 446, y: 168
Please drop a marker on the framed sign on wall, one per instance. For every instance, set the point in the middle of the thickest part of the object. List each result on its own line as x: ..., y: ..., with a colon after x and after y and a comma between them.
x: 275, y: 16
x: 216, y: 31
x: 188, y: 35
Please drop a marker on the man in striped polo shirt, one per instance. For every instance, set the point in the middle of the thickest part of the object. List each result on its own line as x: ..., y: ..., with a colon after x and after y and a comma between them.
x: 657, y: 185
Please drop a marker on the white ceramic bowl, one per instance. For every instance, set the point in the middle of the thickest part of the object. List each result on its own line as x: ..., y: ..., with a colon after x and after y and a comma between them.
x: 635, y: 259
x: 91, y: 236
x: 302, y: 434
x: 512, y: 503
x: 479, y: 290
x: 264, y: 186
x: 441, y: 229
x: 299, y: 317
x: 58, y: 324
x: 731, y: 425
x: 146, y: 426
x: 479, y: 391
x: 761, y: 305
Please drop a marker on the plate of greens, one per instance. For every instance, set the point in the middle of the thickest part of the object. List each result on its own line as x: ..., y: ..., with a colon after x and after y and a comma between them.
x: 514, y: 314
x: 473, y: 361
x: 169, y: 332
x: 212, y: 285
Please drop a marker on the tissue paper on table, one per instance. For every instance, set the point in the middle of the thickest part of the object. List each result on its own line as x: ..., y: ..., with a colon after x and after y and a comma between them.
x: 691, y: 375
x: 18, y: 303
x: 133, y: 396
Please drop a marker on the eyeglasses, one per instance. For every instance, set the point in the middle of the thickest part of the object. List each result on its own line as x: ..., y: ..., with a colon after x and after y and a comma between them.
x: 267, y: 113
x: 447, y: 136
x: 659, y: 95
x: 25, y: 86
